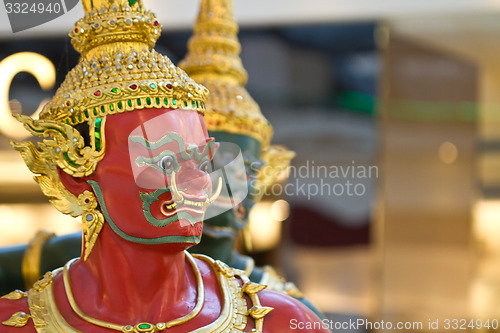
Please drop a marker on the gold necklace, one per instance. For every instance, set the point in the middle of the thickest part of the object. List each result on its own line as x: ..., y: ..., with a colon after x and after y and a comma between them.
x: 141, y: 327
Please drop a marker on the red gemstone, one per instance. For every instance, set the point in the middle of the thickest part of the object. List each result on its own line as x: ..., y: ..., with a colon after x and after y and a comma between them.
x: 169, y: 86
x: 67, y: 103
x: 97, y: 93
x: 134, y: 86
x: 156, y: 23
x: 76, y: 30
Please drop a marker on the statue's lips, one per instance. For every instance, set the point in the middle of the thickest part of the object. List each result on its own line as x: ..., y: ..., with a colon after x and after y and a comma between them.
x: 192, y: 204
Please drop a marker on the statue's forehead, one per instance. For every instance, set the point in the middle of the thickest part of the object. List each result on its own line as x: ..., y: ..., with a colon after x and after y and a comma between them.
x: 188, y: 125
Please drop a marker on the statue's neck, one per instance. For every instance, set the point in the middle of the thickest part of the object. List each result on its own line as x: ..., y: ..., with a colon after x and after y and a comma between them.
x: 138, y: 280
x: 216, y: 248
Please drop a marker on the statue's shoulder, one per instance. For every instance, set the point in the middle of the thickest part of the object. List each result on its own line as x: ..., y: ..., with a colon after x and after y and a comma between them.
x: 14, y: 313
x: 266, y: 310
x: 289, y: 314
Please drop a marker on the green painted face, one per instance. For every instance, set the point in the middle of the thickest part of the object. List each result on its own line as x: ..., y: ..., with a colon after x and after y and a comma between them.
x: 230, y: 222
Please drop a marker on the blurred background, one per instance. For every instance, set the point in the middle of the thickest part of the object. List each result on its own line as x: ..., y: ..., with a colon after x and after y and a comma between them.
x: 390, y: 209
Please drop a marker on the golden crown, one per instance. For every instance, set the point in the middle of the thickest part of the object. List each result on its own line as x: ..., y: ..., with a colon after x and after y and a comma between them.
x: 213, y: 60
x: 119, y: 71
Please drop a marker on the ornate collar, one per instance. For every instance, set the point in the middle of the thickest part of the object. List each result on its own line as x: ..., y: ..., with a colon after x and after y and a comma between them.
x: 233, y: 317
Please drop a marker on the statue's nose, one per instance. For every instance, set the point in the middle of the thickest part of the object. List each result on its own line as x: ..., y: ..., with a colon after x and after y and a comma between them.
x: 193, y: 180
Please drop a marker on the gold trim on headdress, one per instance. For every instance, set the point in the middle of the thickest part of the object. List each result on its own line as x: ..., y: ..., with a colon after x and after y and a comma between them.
x: 119, y: 71
x: 213, y: 60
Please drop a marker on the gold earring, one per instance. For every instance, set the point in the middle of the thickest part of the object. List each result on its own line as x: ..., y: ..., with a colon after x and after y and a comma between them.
x: 92, y: 221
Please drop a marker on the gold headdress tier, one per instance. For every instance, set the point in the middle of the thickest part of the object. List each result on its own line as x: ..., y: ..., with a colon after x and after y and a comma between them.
x: 119, y: 71
x: 213, y: 60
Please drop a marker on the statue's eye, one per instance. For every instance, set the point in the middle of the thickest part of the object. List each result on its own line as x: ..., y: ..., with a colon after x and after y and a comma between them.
x: 167, y: 163
x: 204, y: 166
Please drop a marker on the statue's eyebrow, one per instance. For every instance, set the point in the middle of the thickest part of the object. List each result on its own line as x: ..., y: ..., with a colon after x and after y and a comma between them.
x: 185, y: 151
x: 167, y: 138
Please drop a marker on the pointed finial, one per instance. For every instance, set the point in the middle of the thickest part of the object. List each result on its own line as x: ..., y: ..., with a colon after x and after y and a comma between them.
x: 213, y: 60
x: 120, y: 70
x: 114, y: 24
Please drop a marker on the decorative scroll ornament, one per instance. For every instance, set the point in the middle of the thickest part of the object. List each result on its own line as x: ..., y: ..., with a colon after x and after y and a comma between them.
x: 15, y: 295
x: 213, y: 60
x: 119, y: 71
x: 18, y: 319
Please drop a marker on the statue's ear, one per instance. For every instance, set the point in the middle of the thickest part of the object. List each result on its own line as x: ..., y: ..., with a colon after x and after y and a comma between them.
x: 76, y: 185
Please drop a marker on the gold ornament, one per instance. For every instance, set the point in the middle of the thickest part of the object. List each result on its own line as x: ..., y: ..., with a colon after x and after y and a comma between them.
x: 30, y: 266
x: 92, y: 221
x: 276, y: 282
x: 15, y: 295
x: 18, y: 319
x: 119, y: 71
x: 213, y: 60
x: 233, y: 316
x: 66, y: 150
x: 257, y: 311
x: 141, y: 327
x: 276, y: 161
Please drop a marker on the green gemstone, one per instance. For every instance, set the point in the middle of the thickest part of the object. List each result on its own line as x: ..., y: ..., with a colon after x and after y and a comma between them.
x: 144, y: 326
x: 111, y: 107
x: 86, y: 113
x: 139, y: 101
x: 152, y: 85
x: 114, y: 90
x: 193, y: 103
x: 97, y: 135
x: 129, y: 103
x: 98, y: 122
x: 120, y: 106
x: 197, y: 105
x: 157, y: 101
x: 185, y: 104
x: 103, y: 109
x: 131, y: 2
x: 165, y: 100
x: 148, y: 100
x: 174, y: 101
x: 95, y: 111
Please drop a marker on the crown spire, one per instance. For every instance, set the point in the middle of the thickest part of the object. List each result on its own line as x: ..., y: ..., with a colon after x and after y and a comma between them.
x: 213, y: 60
x: 114, y: 24
x: 119, y: 70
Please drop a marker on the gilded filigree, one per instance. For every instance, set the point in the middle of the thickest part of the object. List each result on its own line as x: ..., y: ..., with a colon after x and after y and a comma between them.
x: 18, y: 319
x: 276, y: 161
x: 233, y: 317
x: 31, y: 259
x: 213, y: 60
x: 15, y: 295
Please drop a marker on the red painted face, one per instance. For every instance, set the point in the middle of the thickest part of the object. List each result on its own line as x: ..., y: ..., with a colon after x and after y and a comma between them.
x: 145, y: 150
